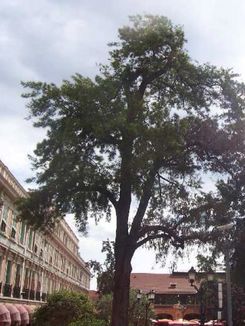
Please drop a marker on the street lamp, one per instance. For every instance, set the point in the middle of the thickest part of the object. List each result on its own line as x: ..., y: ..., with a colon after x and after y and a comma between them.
x: 200, y: 291
x: 224, y: 228
x: 139, y: 295
x: 150, y: 297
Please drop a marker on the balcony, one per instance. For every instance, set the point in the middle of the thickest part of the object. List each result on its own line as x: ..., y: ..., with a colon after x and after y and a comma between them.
x: 16, y: 292
x: 25, y: 293
x: 32, y: 295
x: 44, y: 296
x: 38, y: 296
x: 7, y: 290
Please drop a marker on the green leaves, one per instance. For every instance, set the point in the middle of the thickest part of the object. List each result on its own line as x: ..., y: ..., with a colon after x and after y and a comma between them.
x: 148, y: 128
x: 105, y: 272
x: 139, y: 311
x: 62, y: 308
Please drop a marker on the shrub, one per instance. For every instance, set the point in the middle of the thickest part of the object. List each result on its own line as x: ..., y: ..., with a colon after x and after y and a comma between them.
x: 88, y: 322
x: 63, y: 308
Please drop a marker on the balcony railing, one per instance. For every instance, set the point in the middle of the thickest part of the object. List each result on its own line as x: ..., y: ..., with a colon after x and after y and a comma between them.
x: 38, y: 296
x: 25, y: 293
x: 16, y: 292
x: 29, y: 294
x: 7, y: 290
x: 44, y: 296
x: 32, y: 295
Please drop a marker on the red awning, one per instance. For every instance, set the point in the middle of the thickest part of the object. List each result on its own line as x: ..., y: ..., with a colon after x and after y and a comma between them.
x: 29, y: 309
x: 14, y: 312
x: 24, y: 314
x: 4, y: 315
x: 163, y: 322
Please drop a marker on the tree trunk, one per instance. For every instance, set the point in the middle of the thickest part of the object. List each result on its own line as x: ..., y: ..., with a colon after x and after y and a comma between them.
x: 123, y: 269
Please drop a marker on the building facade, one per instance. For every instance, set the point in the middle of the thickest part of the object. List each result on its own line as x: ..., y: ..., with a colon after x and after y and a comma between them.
x: 174, y: 297
x: 34, y: 264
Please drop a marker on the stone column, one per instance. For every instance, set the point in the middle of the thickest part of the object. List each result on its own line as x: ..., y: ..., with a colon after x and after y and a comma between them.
x: 12, y: 275
x: 41, y: 284
x: 22, y: 279
x: 3, y: 271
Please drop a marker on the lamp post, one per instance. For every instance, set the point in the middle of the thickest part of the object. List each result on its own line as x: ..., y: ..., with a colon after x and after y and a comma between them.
x: 225, y: 228
x: 200, y: 291
x: 150, y: 297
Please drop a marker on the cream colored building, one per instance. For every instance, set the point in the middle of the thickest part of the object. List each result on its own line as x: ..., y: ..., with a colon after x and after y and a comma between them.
x: 34, y: 264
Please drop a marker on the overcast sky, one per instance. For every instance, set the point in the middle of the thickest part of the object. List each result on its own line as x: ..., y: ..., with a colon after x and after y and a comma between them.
x: 50, y: 40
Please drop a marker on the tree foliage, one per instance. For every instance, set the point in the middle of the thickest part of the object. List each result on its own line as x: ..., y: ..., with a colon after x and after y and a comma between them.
x: 139, y: 310
x: 141, y: 137
x: 238, y: 255
x: 105, y: 272
x: 231, y: 241
x: 62, y: 308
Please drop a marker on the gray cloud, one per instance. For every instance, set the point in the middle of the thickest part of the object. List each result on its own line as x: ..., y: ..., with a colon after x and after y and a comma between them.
x: 50, y: 40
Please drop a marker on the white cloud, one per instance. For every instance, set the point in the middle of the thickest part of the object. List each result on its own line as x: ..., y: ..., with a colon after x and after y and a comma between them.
x: 50, y: 40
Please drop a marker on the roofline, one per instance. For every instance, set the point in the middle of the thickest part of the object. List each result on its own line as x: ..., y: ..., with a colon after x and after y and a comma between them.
x: 176, y: 273
x: 70, y: 229
x: 12, y: 176
x: 26, y: 193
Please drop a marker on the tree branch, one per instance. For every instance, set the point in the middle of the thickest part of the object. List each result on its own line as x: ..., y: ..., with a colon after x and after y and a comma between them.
x: 178, y: 240
x: 151, y: 237
x: 167, y: 180
x: 105, y: 192
x: 149, y: 79
x: 146, y: 195
x: 166, y: 232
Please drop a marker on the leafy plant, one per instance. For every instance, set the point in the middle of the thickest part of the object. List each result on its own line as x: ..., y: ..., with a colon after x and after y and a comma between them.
x: 63, y: 308
x: 105, y: 271
x: 139, y: 311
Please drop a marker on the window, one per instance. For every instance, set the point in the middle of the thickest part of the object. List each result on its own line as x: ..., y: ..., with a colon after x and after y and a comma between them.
x: 8, y: 272
x: 4, y: 218
x: 13, y: 233
x: 30, y: 239
x: 3, y: 226
x: 27, y: 279
x: 22, y: 232
x: 14, y: 222
x: 5, y: 213
x: 1, y: 259
x: 172, y: 285
x: 33, y: 280
x: 56, y: 258
x: 17, y: 275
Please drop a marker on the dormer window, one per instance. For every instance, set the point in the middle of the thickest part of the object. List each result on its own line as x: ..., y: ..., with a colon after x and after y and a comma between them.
x: 172, y: 285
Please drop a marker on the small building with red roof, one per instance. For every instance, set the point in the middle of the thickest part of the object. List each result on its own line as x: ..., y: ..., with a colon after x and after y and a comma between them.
x: 174, y: 297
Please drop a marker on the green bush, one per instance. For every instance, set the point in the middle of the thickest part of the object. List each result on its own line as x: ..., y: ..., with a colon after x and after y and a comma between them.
x: 139, y: 312
x: 63, y: 308
x: 88, y: 322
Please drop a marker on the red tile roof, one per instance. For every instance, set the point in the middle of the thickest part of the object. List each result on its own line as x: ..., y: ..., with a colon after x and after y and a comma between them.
x: 93, y: 295
x: 161, y: 283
